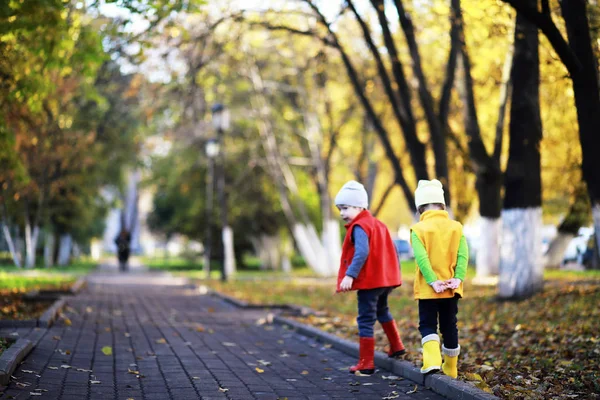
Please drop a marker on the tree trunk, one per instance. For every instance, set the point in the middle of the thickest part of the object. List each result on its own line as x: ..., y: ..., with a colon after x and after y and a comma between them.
x: 487, y: 168
x: 521, y: 269
x: 438, y: 139
x: 304, y: 232
x: 586, y: 88
x: 64, y: 249
x: 31, y: 237
x: 49, y: 249
x: 16, y: 256
x: 487, y: 259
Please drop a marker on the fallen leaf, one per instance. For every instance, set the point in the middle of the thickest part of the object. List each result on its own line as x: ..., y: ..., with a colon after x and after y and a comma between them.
x: 68, y: 322
x: 161, y: 341
x: 391, y: 378
x: 52, y: 367
x: 264, y: 363
x: 107, y: 350
x: 484, y: 386
x: 229, y: 344
x: 65, y: 366
x: 35, y: 393
x: 127, y: 334
x: 224, y: 390
x: 260, y: 371
x: 305, y: 372
x: 56, y: 337
x: 473, y: 377
x: 84, y: 370
x: 395, y: 395
x: 200, y: 329
x: 95, y: 382
x: 131, y: 371
x: 412, y: 391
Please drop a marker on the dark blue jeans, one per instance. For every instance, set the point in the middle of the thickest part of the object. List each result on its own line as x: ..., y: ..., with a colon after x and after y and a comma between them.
x: 372, y: 306
x: 444, y: 309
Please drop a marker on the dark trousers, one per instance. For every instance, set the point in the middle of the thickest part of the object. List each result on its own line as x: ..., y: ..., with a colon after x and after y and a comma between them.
x: 444, y: 309
x: 372, y: 306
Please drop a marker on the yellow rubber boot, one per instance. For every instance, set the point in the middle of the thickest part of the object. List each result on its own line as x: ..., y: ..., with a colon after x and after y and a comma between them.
x: 432, y: 358
x: 450, y: 365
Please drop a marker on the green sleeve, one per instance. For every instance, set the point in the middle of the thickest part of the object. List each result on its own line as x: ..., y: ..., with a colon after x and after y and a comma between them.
x: 422, y: 259
x: 462, y: 260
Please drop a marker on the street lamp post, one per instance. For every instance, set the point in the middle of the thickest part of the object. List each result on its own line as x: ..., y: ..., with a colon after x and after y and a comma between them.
x: 220, y: 119
x: 212, y: 151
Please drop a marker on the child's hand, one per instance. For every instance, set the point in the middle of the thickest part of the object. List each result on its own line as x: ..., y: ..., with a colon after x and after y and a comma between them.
x: 346, y: 283
x: 453, y: 283
x: 439, y: 286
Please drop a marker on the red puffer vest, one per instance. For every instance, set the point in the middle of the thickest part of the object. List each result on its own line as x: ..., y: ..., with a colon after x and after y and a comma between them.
x: 381, y: 269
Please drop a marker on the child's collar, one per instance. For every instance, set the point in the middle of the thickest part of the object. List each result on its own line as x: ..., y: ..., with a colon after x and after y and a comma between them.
x: 433, y: 214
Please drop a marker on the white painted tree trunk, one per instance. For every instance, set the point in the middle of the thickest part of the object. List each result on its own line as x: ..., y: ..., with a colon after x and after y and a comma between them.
x: 596, y: 218
x: 267, y: 250
x: 64, y: 249
x: 487, y: 260
x: 31, y: 237
x: 75, y: 250
x: 48, y: 250
x: 332, y: 244
x: 230, y: 267
x: 521, y: 268
x: 16, y: 256
x: 312, y: 249
x: 556, y: 251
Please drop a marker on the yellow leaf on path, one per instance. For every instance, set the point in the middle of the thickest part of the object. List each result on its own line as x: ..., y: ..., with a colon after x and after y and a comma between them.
x: 483, y: 386
x: 412, y: 391
x: 473, y: 377
x: 305, y: 372
x: 161, y: 341
x: 107, y: 350
x: 224, y: 390
x: 200, y: 329
x: 260, y: 371
x: 68, y: 322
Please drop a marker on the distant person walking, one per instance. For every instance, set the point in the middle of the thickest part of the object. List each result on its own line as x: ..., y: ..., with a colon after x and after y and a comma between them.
x: 123, y: 242
x: 442, y: 256
x: 370, y: 265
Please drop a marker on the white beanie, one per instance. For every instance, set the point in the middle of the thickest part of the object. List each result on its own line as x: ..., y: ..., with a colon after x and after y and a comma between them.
x: 429, y: 192
x: 352, y: 194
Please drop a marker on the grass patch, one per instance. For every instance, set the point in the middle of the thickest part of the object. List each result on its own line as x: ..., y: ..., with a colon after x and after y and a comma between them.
x: 15, y: 280
x: 544, y: 347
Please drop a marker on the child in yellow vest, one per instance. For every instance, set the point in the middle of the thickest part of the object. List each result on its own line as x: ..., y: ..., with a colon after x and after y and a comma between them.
x: 442, y: 255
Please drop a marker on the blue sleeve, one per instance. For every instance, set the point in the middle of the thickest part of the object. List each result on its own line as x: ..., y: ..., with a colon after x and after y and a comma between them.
x: 361, y: 251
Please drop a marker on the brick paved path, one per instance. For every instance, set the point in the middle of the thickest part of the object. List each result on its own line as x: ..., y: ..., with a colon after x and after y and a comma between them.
x: 171, y: 342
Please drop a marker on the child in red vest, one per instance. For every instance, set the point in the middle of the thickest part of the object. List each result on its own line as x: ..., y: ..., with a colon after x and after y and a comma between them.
x: 442, y: 255
x: 370, y: 265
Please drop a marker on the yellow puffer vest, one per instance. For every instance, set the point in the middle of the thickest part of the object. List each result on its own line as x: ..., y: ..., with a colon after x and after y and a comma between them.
x: 441, y: 237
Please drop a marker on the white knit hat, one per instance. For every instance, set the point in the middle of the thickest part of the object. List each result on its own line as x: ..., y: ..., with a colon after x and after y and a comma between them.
x: 352, y: 194
x: 429, y: 192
